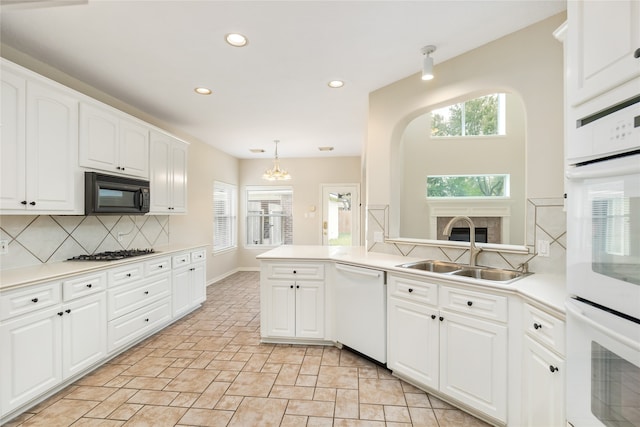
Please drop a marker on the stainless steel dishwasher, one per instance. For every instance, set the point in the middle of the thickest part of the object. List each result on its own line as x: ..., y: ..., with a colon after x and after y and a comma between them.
x: 361, y: 310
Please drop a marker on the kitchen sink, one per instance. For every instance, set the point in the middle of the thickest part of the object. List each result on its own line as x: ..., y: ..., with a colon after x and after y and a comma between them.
x: 433, y: 266
x: 455, y: 269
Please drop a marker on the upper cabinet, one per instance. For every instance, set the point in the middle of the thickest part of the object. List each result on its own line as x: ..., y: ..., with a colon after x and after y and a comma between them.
x: 113, y: 142
x: 604, y: 43
x: 168, y: 174
x: 39, y: 147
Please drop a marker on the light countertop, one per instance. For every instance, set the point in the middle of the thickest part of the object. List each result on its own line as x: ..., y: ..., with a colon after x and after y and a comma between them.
x: 548, y: 289
x: 24, y: 276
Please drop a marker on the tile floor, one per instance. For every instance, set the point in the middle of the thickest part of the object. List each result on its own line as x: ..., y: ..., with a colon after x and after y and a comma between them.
x: 209, y: 369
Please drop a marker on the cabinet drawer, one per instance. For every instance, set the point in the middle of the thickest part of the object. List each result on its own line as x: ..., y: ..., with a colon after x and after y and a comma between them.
x: 295, y: 271
x: 85, y: 285
x: 478, y: 304
x: 545, y: 328
x: 157, y: 266
x: 413, y: 290
x: 199, y: 255
x: 181, y: 260
x: 136, y: 324
x: 126, y: 298
x: 126, y: 274
x: 26, y: 300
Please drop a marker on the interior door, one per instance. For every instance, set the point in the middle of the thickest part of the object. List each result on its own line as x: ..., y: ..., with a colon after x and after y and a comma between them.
x: 341, y: 214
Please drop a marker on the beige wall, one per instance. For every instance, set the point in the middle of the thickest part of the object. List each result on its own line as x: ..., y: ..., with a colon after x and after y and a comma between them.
x: 528, y: 63
x: 308, y: 174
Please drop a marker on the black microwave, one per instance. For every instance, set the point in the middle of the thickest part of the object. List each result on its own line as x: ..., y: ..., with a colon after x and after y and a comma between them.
x: 115, y: 195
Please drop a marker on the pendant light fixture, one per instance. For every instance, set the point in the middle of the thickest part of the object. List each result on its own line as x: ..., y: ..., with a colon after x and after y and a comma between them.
x: 427, y: 64
x: 275, y: 173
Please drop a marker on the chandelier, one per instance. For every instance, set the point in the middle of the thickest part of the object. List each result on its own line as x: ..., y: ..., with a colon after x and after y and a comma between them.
x: 275, y: 173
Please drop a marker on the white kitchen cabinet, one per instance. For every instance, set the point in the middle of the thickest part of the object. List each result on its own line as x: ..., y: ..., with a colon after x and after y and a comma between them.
x: 38, y: 151
x: 604, y: 41
x: 113, y: 142
x: 168, y: 174
x: 292, y: 301
x: 189, y: 281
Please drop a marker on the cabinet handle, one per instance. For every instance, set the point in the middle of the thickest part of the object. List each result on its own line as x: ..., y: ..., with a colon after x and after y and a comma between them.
x: 67, y: 311
x: 410, y: 290
x: 34, y: 300
x: 146, y: 320
x: 32, y: 203
x: 89, y: 285
x: 60, y: 313
x: 537, y: 326
x: 636, y: 54
x: 553, y: 368
x: 441, y: 318
x: 128, y: 274
x: 433, y: 316
x: 469, y: 303
x: 146, y: 292
x: 160, y: 266
x: 24, y: 202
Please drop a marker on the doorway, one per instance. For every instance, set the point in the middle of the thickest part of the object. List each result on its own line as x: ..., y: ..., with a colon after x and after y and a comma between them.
x: 340, y: 214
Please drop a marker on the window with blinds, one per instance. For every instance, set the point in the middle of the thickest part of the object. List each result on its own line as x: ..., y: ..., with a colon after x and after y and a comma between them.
x: 225, y: 220
x: 269, y: 216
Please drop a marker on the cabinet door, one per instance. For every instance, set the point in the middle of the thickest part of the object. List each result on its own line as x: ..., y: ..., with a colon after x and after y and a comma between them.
x: 84, y: 337
x: 52, y: 147
x: 198, y: 279
x: 99, y: 146
x: 604, y: 35
x: 134, y: 149
x: 181, y: 300
x: 543, y: 386
x: 161, y: 176
x: 413, y: 347
x: 178, y: 177
x: 309, y: 309
x: 13, y: 143
x: 30, y: 357
x: 281, y: 309
x: 473, y: 363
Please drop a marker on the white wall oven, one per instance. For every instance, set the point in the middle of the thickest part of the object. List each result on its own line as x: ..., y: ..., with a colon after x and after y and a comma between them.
x: 603, y: 270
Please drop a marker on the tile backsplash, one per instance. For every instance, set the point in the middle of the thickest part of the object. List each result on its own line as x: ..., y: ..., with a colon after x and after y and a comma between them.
x: 546, y: 220
x: 41, y: 239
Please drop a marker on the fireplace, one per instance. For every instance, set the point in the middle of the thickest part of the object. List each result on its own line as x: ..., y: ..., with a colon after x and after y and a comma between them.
x: 488, y: 229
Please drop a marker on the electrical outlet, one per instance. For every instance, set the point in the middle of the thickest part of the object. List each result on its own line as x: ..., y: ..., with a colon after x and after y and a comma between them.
x: 4, y: 247
x: 543, y: 248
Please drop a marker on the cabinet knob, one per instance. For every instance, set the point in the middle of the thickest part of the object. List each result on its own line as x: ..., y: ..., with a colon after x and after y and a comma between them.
x: 24, y: 202
x: 67, y: 311
x: 128, y: 274
x: 122, y: 168
x: 410, y: 290
x: 146, y: 320
x: 469, y: 303
x: 441, y: 318
x: 192, y: 269
x: 34, y: 300
x: 160, y: 266
x: 553, y: 368
x: 89, y: 285
x: 636, y: 54
x: 291, y: 286
x: 146, y: 292
x: 60, y: 313
x: 32, y: 203
x: 297, y: 286
x: 294, y: 271
x: 433, y: 316
x: 537, y: 326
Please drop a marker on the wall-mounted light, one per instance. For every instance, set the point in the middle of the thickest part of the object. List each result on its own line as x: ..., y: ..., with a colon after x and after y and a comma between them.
x: 427, y: 64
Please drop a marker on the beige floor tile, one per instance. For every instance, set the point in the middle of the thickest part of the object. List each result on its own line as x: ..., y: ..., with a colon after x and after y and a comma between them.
x: 306, y: 380
x: 148, y: 383
x: 457, y: 418
x: 156, y: 416
x: 170, y: 372
x: 419, y: 399
x: 371, y: 412
x: 368, y: 372
x: 64, y: 412
x: 347, y: 404
x: 423, y: 417
x: 91, y: 393
x: 227, y: 376
x: 291, y: 392
x: 96, y: 422
x: 257, y: 362
x: 397, y: 414
x: 381, y: 392
x: 330, y: 357
x: 252, y: 384
x: 125, y: 411
x: 320, y: 422
x: 338, y: 377
x: 258, y: 411
x: 327, y: 394
x: 184, y: 354
x: 439, y: 404
x: 153, y: 397
x: 107, y: 406
x: 192, y: 380
x: 294, y: 421
x: 288, y: 374
x: 310, y: 365
x: 357, y: 423
x: 102, y: 375
x: 289, y: 355
x: 313, y: 408
x: 185, y: 400
x: 226, y: 365
x: 229, y: 403
x: 206, y: 417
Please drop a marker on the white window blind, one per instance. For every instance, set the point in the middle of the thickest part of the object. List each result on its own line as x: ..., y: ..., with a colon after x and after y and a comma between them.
x: 269, y: 216
x: 225, y: 221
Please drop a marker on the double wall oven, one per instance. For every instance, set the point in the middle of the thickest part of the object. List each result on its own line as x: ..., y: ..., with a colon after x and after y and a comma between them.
x: 603, y: 269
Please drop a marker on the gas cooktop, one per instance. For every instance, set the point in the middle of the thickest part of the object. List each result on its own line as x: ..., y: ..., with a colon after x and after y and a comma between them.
x: 112, y: 255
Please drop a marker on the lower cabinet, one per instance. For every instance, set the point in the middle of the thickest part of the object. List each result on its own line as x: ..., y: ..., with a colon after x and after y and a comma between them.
x: 188, y: 281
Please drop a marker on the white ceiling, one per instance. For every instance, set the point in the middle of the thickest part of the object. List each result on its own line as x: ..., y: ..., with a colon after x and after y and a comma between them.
x: 151, y: 54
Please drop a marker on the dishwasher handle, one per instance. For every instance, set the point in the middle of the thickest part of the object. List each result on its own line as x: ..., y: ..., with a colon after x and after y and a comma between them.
x: 359, y: 271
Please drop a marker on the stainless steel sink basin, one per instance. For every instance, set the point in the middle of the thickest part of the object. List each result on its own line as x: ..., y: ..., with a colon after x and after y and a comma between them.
x: 433, y: 266
x: 455, y: 269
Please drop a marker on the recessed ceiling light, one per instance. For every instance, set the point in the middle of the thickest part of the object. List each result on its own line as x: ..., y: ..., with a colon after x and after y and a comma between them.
x: 256, y: 150
x: 325, y: 148
x: 202, y: 91
x: 336, y: 84
x: 237, y: 40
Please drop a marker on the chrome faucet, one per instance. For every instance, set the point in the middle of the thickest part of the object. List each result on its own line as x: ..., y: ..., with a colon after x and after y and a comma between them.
x: 473, y: 250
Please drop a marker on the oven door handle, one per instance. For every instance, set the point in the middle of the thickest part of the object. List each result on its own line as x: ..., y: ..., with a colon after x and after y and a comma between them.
x: 571, y: 308
x: 602, y: 171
